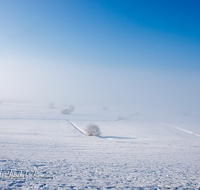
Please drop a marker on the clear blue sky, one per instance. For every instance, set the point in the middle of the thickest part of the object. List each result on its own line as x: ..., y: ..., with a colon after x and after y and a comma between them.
x: 146, y: 34
x: 150, y: 36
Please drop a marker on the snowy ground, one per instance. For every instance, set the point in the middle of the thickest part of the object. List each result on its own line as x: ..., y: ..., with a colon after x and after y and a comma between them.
x: 41, y: 148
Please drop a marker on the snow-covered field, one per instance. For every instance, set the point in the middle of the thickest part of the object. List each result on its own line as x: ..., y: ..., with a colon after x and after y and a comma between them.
x: 41, y: 148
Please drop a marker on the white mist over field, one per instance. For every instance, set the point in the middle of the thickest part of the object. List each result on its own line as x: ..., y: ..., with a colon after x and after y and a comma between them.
x: 97, y: 148
x: 100, y: 85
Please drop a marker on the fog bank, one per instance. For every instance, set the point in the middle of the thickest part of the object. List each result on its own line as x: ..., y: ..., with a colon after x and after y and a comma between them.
x: 99, y: 85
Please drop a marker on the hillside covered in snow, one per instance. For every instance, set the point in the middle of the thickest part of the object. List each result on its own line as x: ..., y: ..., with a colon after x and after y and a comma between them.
x: 43, y: 148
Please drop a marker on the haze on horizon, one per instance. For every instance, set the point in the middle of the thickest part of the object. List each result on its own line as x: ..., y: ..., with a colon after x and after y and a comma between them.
x: 101, y: 52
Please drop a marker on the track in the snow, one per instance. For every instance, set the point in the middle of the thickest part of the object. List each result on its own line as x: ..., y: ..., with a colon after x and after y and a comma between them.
x: 189, y: 132
x: 80, y: 130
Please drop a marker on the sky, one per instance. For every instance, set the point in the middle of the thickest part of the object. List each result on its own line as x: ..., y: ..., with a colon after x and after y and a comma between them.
x: 101, y: 51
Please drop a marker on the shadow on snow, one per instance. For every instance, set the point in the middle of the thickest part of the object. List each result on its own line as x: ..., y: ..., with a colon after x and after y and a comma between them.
x: 115, y: 137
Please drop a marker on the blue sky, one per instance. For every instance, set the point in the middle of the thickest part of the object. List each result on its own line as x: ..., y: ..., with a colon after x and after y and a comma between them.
x: 144, y: 34
x: 99, y: 37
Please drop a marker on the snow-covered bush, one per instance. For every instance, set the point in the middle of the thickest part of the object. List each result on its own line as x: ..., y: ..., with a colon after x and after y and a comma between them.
x: 65, y: 111
x: 92, y: 130
x: 68, y: 110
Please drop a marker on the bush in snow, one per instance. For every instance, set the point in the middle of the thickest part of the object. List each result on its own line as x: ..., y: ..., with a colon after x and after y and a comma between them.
x: 65, y: 111
x: 105, y: 108
x: 68, y: 110
x: 92, y: 130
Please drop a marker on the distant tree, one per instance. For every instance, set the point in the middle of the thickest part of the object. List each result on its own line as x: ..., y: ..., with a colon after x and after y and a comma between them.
x: 65, y: 111
x: 68, y: 110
